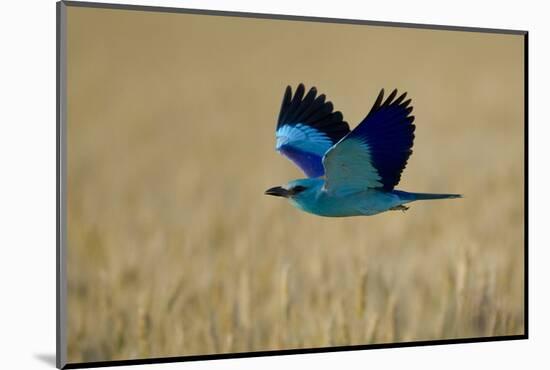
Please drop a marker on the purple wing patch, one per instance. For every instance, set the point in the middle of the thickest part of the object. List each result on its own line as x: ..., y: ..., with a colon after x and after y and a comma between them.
x: 310, y: 163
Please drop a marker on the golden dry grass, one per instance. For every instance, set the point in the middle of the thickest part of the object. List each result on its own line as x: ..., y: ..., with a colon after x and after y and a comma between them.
x: 174, y: 250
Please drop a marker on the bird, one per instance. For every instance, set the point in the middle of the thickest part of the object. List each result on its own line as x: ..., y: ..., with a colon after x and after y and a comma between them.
x: 349, y: 172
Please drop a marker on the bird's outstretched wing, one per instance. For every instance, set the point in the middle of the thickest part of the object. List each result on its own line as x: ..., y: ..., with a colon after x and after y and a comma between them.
x: 375, y: 153
x: 307, y: 127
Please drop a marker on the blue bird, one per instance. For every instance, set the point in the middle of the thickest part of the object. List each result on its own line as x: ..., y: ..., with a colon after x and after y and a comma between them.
x: 350, y: 173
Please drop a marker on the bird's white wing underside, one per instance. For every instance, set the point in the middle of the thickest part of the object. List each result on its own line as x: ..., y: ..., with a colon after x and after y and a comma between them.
x: 348, y: 167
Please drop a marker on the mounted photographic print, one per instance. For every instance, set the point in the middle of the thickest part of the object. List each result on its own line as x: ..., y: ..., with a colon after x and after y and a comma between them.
x: 235, y: 184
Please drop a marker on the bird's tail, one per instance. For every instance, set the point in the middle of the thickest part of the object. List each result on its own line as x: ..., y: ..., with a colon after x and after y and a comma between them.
x: 424, y: 196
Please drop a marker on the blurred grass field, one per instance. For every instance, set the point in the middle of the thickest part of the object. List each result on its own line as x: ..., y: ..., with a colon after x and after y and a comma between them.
x: 174, y: 250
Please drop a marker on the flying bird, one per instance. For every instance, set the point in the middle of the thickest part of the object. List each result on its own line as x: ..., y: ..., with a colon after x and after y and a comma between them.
x: 349, y: 173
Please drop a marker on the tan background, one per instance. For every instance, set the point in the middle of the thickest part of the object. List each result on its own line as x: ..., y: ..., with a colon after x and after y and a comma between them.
x: 173, y: 248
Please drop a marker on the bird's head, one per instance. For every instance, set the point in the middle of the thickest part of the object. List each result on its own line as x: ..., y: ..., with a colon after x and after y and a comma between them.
x: 295, y: 189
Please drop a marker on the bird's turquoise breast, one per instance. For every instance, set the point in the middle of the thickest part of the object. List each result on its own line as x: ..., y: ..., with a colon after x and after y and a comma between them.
x: 364, y: 203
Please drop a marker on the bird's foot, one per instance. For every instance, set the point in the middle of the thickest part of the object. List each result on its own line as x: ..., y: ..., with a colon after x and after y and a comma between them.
x: 399, y: 208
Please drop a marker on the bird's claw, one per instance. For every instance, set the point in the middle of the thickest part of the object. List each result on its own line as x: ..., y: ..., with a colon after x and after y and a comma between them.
x: 399, y: 208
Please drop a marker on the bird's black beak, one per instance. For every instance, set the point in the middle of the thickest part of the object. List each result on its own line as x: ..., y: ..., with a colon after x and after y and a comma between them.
x: 278, y: 191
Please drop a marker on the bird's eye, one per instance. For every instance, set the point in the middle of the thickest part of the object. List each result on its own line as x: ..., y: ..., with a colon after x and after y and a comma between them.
x: 298, y: 189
